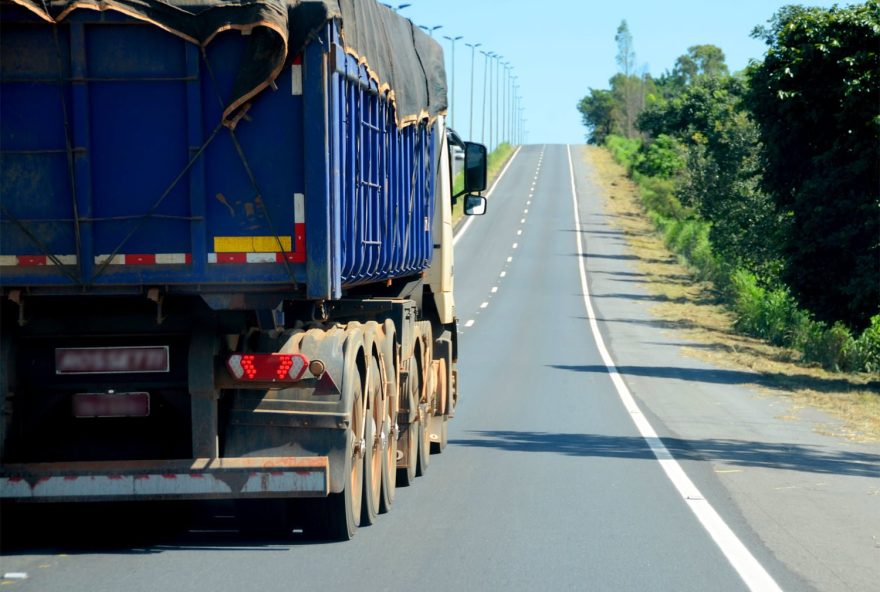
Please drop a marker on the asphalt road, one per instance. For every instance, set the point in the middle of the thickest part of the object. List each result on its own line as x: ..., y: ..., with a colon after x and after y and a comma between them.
x: 548, y: 481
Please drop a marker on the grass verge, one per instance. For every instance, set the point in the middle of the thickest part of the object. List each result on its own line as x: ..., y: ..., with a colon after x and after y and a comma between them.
x: 691, y: 306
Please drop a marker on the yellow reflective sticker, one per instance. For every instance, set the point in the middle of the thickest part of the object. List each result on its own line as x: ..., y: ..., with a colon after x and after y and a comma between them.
x: 252, y: 244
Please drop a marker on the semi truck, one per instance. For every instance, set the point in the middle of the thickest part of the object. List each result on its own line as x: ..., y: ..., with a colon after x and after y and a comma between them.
x: 225, y: 255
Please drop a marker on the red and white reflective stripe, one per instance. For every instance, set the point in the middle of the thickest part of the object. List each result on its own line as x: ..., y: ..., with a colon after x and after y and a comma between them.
x: 299, y: 225
x: 299, y: 242
x: 145, y: 259
x: 296, y: 88
x: 255, y: 258
x: 35, y: 260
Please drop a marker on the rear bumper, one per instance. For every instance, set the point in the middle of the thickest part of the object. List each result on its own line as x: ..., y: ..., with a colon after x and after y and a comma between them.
x: 223, y: 478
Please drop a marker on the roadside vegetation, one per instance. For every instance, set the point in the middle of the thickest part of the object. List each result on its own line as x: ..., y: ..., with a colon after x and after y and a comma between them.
x: 497, y: 159
x: 692, y: 307
x: 766, y: 182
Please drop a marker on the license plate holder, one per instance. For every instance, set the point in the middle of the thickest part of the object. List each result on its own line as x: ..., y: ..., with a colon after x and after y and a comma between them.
x: 95, y: 405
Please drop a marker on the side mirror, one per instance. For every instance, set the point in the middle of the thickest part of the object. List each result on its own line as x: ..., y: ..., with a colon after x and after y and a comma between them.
x: 475, y: 158
x: 474, y: 205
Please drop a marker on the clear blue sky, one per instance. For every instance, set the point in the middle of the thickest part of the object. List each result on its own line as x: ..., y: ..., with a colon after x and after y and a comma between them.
x: 559, y: 50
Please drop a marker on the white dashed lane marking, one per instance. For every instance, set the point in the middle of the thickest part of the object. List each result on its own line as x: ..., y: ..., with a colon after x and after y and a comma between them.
x: 470, y: 323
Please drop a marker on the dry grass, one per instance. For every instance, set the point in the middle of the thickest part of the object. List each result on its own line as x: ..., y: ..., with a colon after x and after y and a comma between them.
x: 692, y: 308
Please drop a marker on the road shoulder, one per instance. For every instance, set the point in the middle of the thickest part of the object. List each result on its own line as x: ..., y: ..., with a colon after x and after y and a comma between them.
x: 810, y: 495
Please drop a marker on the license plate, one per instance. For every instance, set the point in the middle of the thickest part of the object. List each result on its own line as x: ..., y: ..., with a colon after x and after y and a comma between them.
x: 111, y: 405
x: 111, y: 360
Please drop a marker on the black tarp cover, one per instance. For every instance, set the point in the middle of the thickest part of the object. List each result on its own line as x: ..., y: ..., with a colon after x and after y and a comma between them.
x: 403, y: 60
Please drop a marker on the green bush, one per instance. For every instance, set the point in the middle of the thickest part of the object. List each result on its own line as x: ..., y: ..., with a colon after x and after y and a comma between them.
x: 665, y: 157
x: 773, y: 314
x: 770, y: 314
x: 624, y: 150
x: 658, y: 195
x: 866, y: 349
x: 689, y: 238
x: 833, y: 348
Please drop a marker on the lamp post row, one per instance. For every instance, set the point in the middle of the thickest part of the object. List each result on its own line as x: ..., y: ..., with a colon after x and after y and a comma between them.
x: 506, y: 120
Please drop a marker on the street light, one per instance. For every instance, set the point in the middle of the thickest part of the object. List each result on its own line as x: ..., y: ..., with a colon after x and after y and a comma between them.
x: 497, y: 114
x: 503, y: 110
x: 488, y: 55
x: 473, y: 47
x: 514, y: 95
x: 452, y: 101
x: 430, y: 30
x: 396, y: 8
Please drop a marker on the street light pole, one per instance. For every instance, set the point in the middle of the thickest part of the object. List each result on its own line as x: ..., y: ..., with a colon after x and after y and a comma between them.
x: 473, y: 47
x: 431, y: 30
x: 452, y: 99
x: 488, y: 55
x: 511, y: 124
x: 498, y: 65
x: 505, y: 112
x: 496, y: 92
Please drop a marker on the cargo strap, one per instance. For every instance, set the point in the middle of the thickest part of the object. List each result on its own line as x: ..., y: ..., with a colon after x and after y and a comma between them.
x: 68, y: 142
x: 247, y: 167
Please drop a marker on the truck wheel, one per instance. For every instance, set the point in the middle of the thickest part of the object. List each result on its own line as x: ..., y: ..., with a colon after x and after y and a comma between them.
x: 440, y: 427
x: 389, y: 465
x: 424, y: 444
x: 373, y: 449
x: 439, y: 422
x: 409, y: 436
x: 339, y: 516
x: 390, y: 430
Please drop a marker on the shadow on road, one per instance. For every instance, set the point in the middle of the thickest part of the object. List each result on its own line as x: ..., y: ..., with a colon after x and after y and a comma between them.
x: 141, y: 528
x: 733, y: 377
x: 644, y: 297
x: 794, y: 457
x: 620, y: 258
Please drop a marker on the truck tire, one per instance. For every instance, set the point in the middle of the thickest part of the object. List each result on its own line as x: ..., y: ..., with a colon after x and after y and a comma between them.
x: 338, y: 516
x: 424, y: 445
x: 439, y: 422
x: 373, y: 449
x: 390, y: 382
x: 408, y: 444
x: 426, y: 390
x: 389, y: 465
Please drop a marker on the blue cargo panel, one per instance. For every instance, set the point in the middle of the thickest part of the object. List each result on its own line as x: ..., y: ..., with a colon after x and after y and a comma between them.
x: 116, y: 173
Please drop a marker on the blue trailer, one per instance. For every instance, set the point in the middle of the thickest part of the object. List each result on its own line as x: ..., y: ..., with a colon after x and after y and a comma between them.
x: 225, y: 254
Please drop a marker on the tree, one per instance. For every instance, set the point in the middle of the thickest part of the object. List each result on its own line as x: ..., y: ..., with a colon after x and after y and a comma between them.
x: 816, y: 98
x: 599, y: 115
x: 626, y: 55
x: 722, y: 176
x: 629, y: 84
x: 700, y: 60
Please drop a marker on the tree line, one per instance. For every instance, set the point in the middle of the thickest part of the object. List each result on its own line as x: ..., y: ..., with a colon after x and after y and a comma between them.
x: 767, y: 180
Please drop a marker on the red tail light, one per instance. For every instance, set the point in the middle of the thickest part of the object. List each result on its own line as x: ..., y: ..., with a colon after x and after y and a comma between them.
x: 267, y: 367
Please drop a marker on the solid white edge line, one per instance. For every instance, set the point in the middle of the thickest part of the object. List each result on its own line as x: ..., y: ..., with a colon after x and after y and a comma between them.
x: 747, y: 567
x: 470, y: 219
